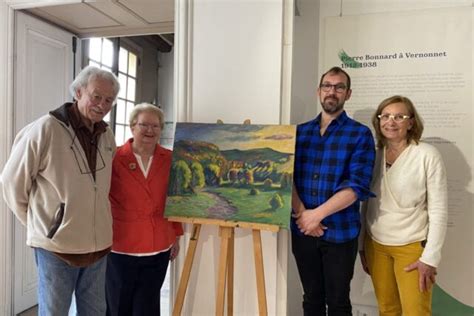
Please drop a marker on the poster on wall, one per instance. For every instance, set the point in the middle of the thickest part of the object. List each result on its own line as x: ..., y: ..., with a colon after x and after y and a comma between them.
x: 426, y: 56
x: 230, y: 172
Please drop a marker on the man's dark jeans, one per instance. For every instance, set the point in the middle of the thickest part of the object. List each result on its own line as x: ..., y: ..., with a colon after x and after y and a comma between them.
x: 326, y: 271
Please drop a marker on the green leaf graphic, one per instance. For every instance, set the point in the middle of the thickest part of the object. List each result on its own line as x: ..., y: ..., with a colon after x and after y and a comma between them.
x: 348, y: 61
x: 444, y: 304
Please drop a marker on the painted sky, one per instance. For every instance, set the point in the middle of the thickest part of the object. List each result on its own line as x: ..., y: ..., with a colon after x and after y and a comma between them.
x: 237, y: 136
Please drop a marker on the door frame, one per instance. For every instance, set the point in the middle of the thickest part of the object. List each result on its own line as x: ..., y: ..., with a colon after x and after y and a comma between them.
x: 7, y: 58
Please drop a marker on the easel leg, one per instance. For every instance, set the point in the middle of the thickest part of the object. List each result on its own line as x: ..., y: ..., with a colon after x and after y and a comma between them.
x: 230, y: 276
x: 260, y: 274
x: 226, y: 233
x: 188, y: 263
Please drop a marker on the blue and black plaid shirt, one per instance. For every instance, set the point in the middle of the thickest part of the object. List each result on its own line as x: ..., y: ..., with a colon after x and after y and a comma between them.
x: 342, y: 158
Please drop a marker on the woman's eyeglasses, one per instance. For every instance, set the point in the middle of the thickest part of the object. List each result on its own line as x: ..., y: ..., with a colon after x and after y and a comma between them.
x: 396, y: 117
x: 145, y: 127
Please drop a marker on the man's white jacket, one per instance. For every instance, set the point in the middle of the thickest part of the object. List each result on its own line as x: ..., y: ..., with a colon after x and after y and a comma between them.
x: 48, y: 184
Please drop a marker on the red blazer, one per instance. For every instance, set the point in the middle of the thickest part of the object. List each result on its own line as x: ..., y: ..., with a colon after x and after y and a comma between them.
x: 138, y: 203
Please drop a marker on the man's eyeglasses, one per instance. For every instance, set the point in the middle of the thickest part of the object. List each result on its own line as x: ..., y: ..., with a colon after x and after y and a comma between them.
x: 145, y: 127
x: 326, y: 87
x: 396, y: 117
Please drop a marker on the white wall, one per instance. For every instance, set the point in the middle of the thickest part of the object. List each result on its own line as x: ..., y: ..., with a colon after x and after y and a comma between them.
x: 236, y: 60
x: 234, y: 67
x: 304, y: 103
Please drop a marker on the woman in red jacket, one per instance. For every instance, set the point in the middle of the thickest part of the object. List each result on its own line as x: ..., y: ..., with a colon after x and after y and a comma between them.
x: 144, y: 241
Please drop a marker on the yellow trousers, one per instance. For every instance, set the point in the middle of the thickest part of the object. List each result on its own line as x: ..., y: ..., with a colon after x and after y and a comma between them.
x: 397, y: 291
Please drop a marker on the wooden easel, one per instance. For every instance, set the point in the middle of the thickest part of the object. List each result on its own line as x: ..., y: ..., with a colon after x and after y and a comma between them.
x: 226, y: 262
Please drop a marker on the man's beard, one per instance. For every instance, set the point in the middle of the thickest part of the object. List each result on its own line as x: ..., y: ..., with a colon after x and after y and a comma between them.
x: 331, y: 105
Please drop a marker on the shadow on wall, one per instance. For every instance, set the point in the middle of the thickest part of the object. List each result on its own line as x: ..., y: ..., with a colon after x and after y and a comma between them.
x: 301, y: 111
x: 364, y: 116
x: 362, y: 290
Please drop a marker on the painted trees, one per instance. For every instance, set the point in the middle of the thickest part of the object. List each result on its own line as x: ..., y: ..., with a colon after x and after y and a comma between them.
x: 180, y: 178
x: 276, y: 201
x: 197, y: 175
x: 212, y: 175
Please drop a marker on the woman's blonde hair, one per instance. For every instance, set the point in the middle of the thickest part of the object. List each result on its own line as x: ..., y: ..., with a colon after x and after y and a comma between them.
x: 146, y: 107
x: 413, y: 134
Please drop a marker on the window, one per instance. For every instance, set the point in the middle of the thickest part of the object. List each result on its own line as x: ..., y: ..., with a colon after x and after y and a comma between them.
x: 127, y: 76
x: 101, y: 54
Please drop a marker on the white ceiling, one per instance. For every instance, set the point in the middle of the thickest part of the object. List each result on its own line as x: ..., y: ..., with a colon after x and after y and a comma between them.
x: 111, y: 17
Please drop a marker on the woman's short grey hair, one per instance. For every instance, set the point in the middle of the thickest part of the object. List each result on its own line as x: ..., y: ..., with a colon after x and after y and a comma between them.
x: 146, y: 107
x: 92, y: 72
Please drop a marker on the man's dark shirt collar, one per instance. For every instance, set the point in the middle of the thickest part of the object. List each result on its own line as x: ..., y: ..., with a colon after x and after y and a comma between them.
x: 339, y: 120
x: 71, y: 116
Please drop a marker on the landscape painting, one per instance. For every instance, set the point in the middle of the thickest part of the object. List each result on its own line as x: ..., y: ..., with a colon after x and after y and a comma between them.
x: 241, y: 173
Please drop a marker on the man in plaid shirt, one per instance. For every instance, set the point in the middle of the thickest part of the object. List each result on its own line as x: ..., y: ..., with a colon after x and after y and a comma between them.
x: 333, y: 168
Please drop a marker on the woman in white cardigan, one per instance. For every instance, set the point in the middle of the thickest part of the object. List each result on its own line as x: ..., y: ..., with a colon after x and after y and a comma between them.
x: 403, y: 228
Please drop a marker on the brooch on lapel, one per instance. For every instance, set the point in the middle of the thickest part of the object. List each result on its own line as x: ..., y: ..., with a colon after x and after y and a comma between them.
x: 132, y: 166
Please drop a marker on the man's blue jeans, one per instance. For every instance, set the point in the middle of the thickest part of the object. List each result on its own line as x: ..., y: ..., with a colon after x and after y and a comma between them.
x: 58, y: 280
